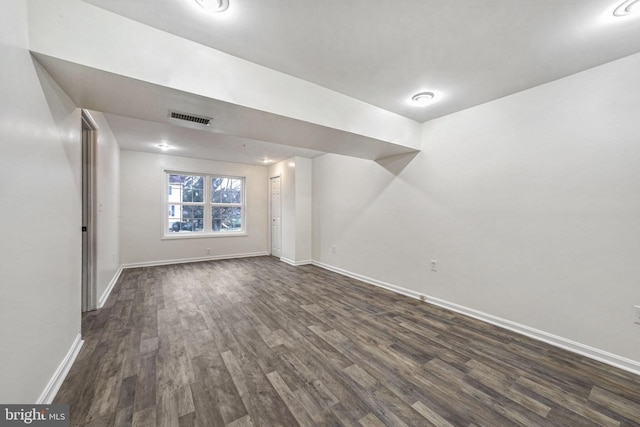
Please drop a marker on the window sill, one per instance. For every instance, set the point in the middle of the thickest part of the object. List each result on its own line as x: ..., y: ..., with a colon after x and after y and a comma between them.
x: 179, y: 236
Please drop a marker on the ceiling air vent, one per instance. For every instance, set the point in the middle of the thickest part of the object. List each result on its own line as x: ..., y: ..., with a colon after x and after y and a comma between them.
x: 201, y: 120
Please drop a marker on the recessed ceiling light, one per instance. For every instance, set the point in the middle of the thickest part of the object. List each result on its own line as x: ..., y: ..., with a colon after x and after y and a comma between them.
x: 628, y: 7
x: 265, y: 161
x: 423, y: 98
x: 214, y: 5
x: 164, y: 146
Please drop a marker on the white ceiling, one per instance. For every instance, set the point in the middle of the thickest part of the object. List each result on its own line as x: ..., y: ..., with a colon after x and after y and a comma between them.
x: 466, y: 51
x: 144, y: 135
x: 137, y: 113
x: 381, y: 52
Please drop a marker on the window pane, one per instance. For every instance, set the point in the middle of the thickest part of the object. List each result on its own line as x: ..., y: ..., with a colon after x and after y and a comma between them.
x: 186, y: 188
x: 226, y: 190
x: 175, y: 189
x: 193, y: 188
x: 226, y: 218
x: 172, y: 213
x: 190, y: 218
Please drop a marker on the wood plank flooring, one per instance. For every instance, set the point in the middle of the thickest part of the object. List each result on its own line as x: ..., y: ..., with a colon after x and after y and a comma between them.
x: 256, y: 342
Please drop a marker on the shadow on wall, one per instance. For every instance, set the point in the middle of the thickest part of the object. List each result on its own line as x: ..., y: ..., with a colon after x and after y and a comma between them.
x: 396, y: 164
x: 63, y: 111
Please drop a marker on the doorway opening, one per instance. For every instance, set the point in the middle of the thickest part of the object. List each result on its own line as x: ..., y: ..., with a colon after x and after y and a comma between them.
x: 89, y: 138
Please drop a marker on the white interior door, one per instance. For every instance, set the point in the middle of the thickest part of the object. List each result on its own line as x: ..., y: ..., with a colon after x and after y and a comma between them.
x: 276, y: 212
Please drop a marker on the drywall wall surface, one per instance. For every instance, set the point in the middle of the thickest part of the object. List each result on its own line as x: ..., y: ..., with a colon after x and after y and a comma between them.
x: 107, y: 200
x: 142, y: 184
x: 303, y: 194
x: 40, y: 254
x: 529, y: 204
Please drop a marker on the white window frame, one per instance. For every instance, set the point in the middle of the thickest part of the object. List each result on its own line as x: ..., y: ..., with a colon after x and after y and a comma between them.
x: 208, y: 207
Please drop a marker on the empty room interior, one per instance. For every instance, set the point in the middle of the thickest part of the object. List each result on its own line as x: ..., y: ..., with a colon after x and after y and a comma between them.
x: 362, y: 213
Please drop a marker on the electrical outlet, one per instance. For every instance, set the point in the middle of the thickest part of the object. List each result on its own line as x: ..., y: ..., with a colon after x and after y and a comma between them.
x: 333, y: 249
x: 208, y: 251
x: 636, y: 314
x: 434, y: 265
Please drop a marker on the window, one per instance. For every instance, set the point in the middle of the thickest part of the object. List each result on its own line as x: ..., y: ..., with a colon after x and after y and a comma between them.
x: 226, y: 203
x: 204, y: 204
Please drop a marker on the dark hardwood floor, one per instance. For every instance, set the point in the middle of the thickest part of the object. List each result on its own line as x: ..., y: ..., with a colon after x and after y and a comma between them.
x: 255, y: 342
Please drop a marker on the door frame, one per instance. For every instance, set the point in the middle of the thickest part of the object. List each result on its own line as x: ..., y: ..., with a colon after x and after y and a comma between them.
x: 271, y: 215
x: 89, y: 138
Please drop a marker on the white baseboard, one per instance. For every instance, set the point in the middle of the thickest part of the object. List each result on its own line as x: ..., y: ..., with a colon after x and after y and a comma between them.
x: 296, y: 263
x: 369, y: 280
x: 564, y: 343
x: 187, y: 260
x: 50, y: 391
x: 107, y: 292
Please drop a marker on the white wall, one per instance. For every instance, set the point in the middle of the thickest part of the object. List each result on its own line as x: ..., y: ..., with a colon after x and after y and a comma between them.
x: 141, y: 228
x: 296, y: 177
x: 530, y: 204
x: 40, y: 254
x: 304, y: 226
x: 107, y: 204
